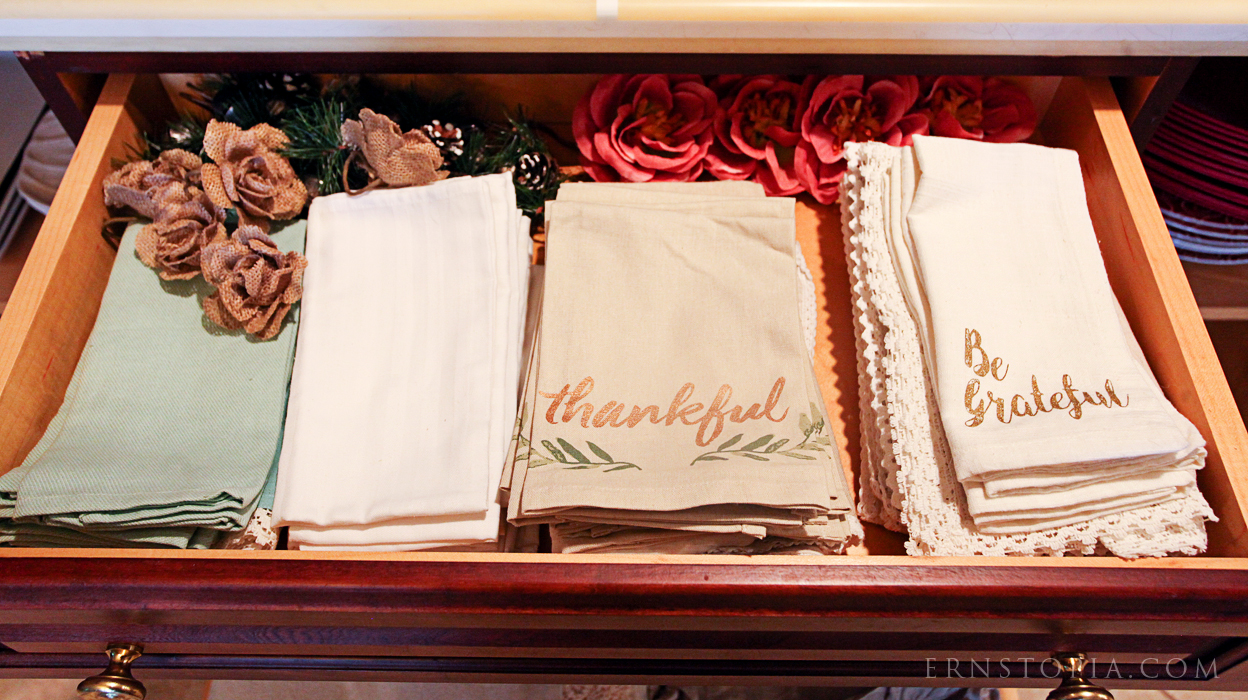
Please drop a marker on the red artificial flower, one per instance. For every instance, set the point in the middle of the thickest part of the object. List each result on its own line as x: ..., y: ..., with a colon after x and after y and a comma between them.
x: 844, y: 108
x: 639, y: 128
x: 757, y: 132
x: 970, y: 107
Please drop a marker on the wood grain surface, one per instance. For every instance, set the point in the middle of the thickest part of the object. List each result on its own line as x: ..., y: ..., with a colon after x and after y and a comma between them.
x: 54, y: 303
x: 1148, y: 280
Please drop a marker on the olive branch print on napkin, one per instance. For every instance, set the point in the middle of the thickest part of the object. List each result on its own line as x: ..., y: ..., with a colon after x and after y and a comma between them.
x: 761, y: 449
x: 565, y: 453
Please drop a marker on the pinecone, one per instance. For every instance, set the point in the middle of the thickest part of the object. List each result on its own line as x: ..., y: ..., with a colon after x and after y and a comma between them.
x: 533, y: 169
x: 181, y: 135
x: 447, y: 137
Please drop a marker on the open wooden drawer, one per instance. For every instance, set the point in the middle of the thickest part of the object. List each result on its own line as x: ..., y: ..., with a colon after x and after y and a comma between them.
x: 874, y: 617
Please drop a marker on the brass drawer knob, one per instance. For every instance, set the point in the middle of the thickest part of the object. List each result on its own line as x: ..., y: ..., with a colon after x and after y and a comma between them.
x: 1075, y: 686
x: 115, y: 683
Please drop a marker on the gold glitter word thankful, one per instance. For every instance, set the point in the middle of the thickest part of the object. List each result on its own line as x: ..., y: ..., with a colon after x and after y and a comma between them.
x: 611, y: 413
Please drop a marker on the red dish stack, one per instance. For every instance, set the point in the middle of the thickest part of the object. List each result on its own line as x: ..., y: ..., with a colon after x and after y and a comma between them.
x: 1198, y: 166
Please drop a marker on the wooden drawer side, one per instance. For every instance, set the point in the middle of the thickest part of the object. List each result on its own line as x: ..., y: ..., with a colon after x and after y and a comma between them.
x: 1149, y: 282
x: 56, y: 299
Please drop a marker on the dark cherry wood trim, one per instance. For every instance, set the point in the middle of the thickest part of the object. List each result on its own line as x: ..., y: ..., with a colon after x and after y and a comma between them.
x: 1228, y: 655
x: 1230, y: 662
x: 1169, y: 83
x: 775, y: 643
x: 943, y: 671
x: 555, y: 62
x: 592, y: 589
x: 60, y: 100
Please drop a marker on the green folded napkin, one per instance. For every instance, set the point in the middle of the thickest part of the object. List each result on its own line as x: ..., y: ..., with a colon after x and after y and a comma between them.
x: 35, y: 535
x: 170, y: 426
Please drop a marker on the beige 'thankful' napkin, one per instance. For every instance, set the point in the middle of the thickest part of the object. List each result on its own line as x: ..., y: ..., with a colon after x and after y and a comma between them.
x: 670, y: 386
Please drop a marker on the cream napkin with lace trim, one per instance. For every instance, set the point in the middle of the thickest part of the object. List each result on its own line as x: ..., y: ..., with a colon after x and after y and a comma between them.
x: 909, y: 479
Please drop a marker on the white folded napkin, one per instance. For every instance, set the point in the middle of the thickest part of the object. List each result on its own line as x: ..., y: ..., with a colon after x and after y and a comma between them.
x: 405, y: 382
x: 410, y: 534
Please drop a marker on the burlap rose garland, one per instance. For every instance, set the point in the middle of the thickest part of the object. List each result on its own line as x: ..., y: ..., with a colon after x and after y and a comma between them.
x: 144, y: 185
x: 395, y: 158
x: 184, y: 219
x: 248, y: 173
x: 256, y: 283
x: 259, y: 174
x: 173, y: 243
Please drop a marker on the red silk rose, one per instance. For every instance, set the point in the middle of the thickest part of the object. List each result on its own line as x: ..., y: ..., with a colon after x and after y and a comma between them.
x: 756, y: 132
x: 639, y: 128
x: 843, y: 108
x: 970, y: 107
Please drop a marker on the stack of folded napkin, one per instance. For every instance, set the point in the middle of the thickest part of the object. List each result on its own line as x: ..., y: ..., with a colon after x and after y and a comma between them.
x: 670, y: 403
x: 169, y: 428
x: 1006, y: 407
x: 405, y: 386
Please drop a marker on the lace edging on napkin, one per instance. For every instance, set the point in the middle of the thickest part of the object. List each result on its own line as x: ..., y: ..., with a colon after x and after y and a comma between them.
x: 258, y: 534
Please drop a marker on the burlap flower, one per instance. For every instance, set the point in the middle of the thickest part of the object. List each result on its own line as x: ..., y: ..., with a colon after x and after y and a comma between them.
x: 247, y: 173
x: 398, y: 159
x: 256, y: 283
x: 143, y: 185
x: 173, y: 243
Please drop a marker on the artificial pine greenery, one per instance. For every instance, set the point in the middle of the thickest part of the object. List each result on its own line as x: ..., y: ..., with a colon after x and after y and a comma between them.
x: 248, y: 99
x: 506, y: 145
x: 316, y: 149
x: 187, y: 133
x: 311, y: 116
x: 411, y: 110
x: 500, y: 148
x: 474, y: 160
